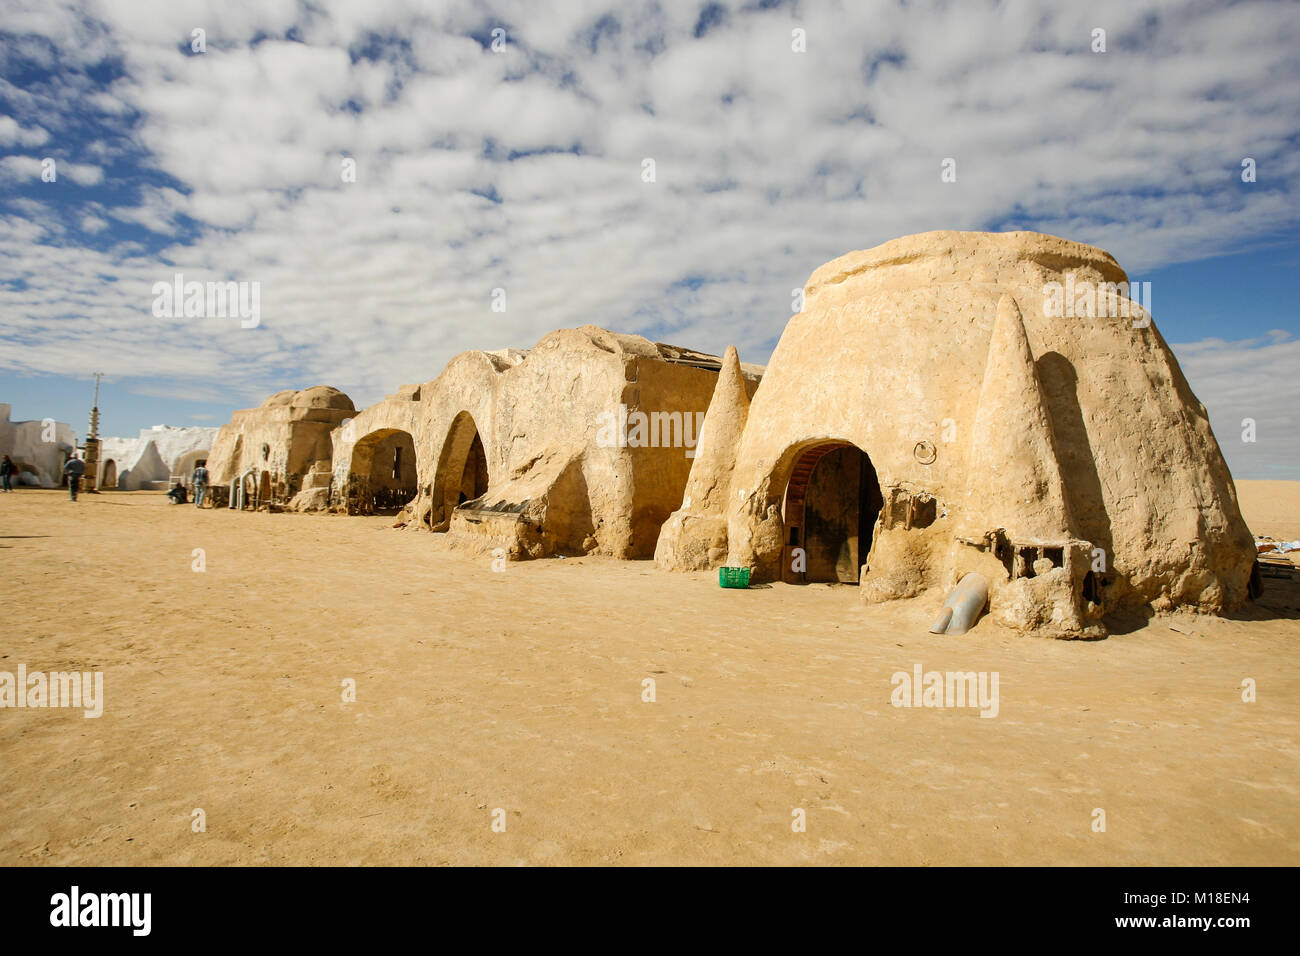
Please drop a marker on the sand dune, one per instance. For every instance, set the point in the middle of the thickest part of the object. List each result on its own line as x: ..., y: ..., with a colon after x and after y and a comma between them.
x: 1271, y: 507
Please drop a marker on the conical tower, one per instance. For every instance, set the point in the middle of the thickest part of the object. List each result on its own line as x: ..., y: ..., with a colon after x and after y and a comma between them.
x: 1015, y: 478
x: 715, y: 453
x: 695, y: 536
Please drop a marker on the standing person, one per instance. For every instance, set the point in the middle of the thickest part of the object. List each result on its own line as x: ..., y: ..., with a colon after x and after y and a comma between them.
x: 200, y: 479
x: 7, y: 469
x: 74, y: 469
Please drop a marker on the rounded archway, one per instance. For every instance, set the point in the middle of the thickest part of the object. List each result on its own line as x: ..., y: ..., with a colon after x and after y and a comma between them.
x: 186, y: 463
x: 832, y: 500
x: 110, y: 475
x: 462, y: 474
x: 264, y: 491
x: 382, y: 477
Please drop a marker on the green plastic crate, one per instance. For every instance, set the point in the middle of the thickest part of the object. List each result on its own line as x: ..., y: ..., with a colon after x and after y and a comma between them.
x: 733, y: 577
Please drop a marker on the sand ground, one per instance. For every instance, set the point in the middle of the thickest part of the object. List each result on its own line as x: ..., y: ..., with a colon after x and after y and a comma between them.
x: 522, y: 690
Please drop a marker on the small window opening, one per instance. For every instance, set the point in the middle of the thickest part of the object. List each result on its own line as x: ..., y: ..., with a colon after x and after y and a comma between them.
x: 923, y: 512
x: 1025, y: 558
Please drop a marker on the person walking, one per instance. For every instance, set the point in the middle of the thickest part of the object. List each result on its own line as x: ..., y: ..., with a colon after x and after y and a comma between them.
x: 200, y: 479
x: 7, y: 469
x: 74, y: 469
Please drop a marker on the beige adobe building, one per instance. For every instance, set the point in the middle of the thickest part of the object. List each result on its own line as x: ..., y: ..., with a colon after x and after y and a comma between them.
x: 270, y: 453
x: 927, y: 417
x: 537, y: 451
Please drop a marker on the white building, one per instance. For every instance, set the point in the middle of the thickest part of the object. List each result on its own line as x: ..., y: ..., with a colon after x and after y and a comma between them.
x: 153, y: 456
x: 38, y: 448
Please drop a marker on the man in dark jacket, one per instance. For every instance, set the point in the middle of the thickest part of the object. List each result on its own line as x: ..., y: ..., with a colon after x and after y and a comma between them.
x: 74, y: 469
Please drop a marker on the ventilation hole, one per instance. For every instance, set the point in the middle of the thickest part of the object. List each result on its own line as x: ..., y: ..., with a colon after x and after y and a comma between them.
x: 923, y: 511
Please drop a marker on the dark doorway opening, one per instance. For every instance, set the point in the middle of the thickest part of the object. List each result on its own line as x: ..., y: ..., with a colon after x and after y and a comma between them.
x: 383, y: 475
x: 831, y: 504
x: 474, y: 478
x: 462, y: 472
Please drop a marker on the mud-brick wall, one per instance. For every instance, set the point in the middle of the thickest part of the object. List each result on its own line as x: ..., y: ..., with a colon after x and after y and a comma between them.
x: 661, y: 472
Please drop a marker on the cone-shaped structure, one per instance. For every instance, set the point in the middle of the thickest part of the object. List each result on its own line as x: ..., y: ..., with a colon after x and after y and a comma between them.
x: 1013, y: 462
x: 695, y: 536
x: 715, y: 453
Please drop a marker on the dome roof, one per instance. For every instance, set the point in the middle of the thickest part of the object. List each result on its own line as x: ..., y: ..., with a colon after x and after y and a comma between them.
x: 279, y: 398
x: 322, y: 396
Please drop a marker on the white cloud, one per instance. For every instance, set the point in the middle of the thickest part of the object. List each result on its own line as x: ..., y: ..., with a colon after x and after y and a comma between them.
x: 24, y: 168
x: 83, y: 174
x: 11, y: 134
x: 1252, y: 391
x: 769, y: 163
x: 21, y: 167
x: 157, y: 210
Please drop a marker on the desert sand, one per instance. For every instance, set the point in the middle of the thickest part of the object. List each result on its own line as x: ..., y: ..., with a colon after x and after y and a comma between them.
x: 522, y: 690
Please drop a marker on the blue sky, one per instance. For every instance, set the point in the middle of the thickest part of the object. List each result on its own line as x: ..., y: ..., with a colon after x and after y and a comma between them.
x: 521, y: 168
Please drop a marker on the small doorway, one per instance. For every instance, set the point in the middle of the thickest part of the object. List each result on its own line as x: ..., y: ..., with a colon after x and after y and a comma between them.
x: 462, y: 472
x: 831, y: 504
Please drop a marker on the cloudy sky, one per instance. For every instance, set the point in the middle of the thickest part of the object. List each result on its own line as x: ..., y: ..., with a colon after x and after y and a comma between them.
x: 503, y: 146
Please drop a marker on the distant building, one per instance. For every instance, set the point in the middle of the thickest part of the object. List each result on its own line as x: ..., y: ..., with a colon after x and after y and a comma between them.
x: 38, y: 448
x: 268, y: 454
x: 150, y: 459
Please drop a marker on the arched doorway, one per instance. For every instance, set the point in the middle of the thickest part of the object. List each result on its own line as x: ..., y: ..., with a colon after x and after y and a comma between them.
x: 382, y: 478
x: 462, y: 474
x: 264, y: 491
x: 110, y: 475
x: 185, y: 465
x: 831, y: 504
